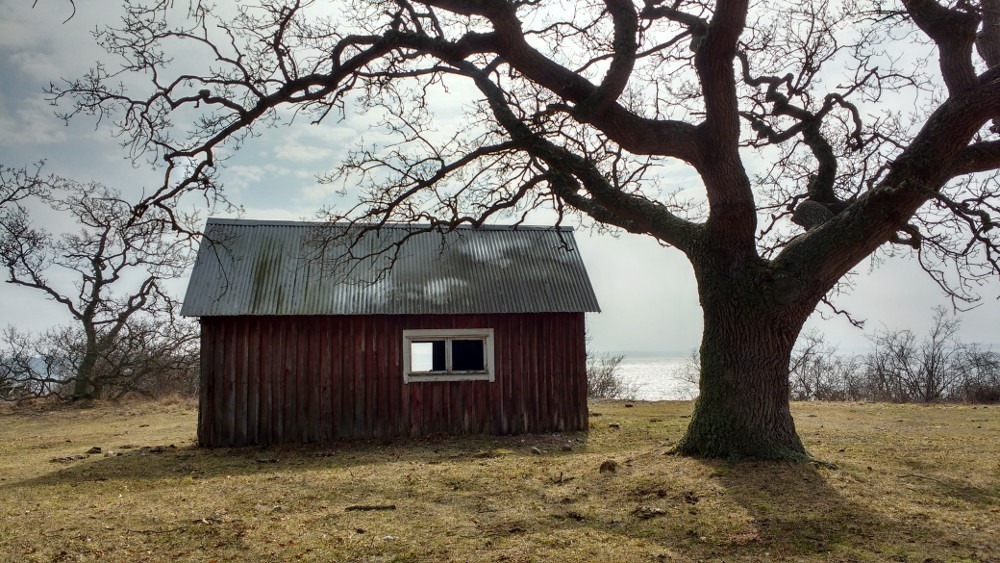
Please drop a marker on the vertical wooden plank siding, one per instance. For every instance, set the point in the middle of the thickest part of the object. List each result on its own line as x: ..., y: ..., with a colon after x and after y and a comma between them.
x: 396, y: 408
x: 265, y: 418
x: 316, y: 433
x: 276, y: 375
x: 206, y: 389
x: 241, y: 382
x: 325, y: 394
x: 228, y: 414
x: 370, y: 378
x: 358, y: 373
x: 496, y: 402
x: 343, y: 350
x: 253, y: 381
x: 271, y: 380
x: 514, y: 386
x: 288, y: 382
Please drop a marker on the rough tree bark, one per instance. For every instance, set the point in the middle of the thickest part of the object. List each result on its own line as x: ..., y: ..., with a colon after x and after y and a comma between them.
x: 742, y: 408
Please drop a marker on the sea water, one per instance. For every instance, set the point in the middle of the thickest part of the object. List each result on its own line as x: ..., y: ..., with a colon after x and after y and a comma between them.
x: 658, y: 378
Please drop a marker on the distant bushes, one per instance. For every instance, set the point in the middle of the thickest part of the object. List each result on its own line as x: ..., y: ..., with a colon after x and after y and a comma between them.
x: 899, y: 368
x: 604, y: 380
x: 150, y: 358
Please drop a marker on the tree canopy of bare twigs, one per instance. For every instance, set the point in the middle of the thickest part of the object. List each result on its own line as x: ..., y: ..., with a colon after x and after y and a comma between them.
x: 107, y: 272
x: 819, y: 134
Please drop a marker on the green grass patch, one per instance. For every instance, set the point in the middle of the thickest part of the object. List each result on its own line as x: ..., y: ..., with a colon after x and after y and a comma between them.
x: 896, y: 482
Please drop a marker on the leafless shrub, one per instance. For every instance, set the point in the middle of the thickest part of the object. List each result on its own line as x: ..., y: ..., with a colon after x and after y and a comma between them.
x: 32, y: 366
x: 604, y: 381
x: 148, y: 357
x: 690, y: 372
x: 979, y: 376
x: 901, y: 367
x: 817, y: 372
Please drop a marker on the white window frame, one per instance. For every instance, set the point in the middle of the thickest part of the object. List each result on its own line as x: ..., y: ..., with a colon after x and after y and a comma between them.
x: 448, y: 335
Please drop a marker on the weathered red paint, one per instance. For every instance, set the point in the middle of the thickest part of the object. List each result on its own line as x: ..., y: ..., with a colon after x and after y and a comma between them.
x: 268, y: 380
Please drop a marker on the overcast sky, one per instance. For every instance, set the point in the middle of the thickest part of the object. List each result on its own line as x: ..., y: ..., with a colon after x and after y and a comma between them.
x: 647, y: 293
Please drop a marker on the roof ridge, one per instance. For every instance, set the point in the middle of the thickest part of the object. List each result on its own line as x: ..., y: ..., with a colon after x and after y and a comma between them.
x: 399, y: 225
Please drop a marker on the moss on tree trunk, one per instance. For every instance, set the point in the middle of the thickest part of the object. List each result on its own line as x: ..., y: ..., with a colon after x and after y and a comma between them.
x: 742, y: 409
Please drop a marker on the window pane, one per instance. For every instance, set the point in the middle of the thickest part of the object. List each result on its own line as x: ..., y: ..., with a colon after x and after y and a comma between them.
x: 439, y: 364
x: 421, y: 356
x: 467, y: 355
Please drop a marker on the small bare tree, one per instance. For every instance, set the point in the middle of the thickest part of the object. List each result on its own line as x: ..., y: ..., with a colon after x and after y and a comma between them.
x: 903, y: 368
x: 690, y: 371
x: 117, y: 257
x: 604, y: 381
x: 818, y: 372
x: 152, y: 358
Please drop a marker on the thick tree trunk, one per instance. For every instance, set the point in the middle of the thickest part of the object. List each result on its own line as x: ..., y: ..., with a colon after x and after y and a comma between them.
x: 742, y: 409
x: 84, y: 385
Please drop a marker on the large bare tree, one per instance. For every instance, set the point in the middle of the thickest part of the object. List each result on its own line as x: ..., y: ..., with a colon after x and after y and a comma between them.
x: 818, y: 134
x: 107, y: 272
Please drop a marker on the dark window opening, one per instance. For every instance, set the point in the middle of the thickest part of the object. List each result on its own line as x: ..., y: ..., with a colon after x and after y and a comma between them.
x: 438, y: 356
x: 467, y: 355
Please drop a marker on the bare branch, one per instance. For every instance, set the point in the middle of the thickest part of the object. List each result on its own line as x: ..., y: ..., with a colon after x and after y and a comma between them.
x: 111, y: 246
x: 954, y: 32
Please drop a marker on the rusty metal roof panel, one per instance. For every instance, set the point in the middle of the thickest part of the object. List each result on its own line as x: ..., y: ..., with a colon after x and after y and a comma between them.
x: 300, y: 268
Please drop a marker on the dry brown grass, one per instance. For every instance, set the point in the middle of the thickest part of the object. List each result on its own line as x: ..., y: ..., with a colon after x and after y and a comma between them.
x: 910, y: 483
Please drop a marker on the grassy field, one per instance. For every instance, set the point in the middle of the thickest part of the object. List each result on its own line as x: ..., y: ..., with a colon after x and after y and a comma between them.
x: 897, y: 483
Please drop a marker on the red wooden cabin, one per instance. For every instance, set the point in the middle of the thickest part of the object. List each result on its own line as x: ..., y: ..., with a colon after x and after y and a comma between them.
x: 314, y: 332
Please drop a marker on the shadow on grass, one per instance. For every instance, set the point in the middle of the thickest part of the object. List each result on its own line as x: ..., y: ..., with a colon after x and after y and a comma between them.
x: 799, y: 514
x: 166, y: 462
x: 947, y: 489
x: 795, y: 510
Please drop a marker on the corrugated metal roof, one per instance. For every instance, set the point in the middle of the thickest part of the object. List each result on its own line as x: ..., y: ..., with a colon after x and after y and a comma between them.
x: 301, y: 268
